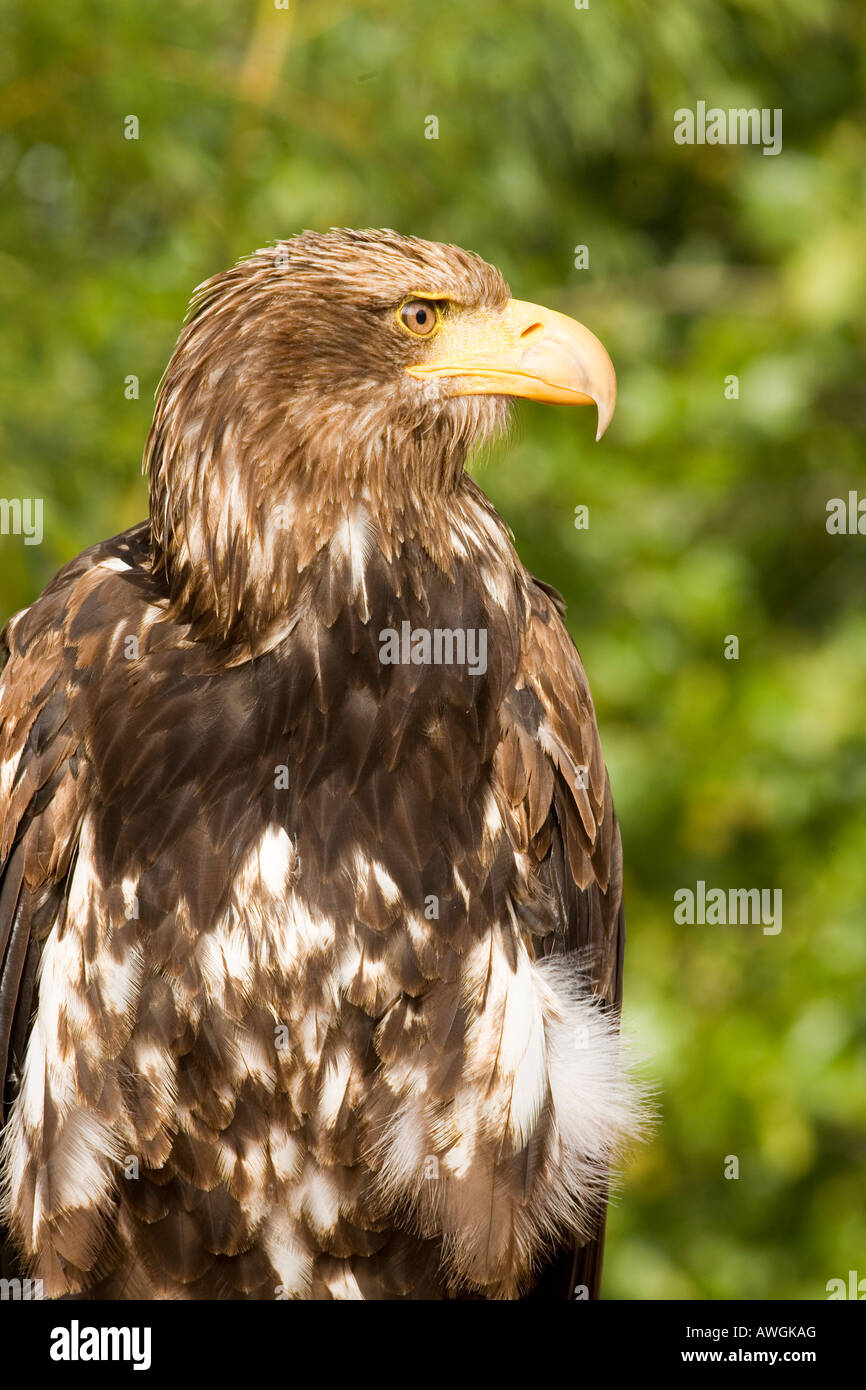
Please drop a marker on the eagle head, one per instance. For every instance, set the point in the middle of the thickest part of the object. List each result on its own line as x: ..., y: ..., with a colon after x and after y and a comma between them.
x: 331, y: 371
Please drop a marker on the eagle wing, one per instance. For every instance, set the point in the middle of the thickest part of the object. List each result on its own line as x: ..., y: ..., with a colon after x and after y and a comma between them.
x: 48, y: 658
x: 42, y: 791
x: 551, y: 772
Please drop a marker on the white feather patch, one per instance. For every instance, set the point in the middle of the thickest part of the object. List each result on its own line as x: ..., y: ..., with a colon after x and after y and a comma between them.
x: 542, y: 1064
x: 79, y: 1170
x: 354, y: 540
x: 292, y: 1263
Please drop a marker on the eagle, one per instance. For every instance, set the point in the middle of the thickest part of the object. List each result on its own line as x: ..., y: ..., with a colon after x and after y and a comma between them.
x: 311, y: 923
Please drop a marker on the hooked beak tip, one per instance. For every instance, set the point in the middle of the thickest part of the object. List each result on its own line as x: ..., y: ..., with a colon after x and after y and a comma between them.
x: 605, y: 415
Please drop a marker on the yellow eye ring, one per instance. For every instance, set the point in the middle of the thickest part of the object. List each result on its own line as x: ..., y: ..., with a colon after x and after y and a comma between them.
x: 420, y: 317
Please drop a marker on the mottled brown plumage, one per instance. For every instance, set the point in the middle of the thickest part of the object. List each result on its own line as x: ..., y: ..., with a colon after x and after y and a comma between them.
x: 310, y: 961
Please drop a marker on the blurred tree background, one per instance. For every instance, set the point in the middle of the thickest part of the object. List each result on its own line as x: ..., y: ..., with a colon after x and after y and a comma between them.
x: 706, y: 514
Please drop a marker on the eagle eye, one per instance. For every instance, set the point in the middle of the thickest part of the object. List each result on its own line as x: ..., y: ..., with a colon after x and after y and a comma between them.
x: 420, y: 316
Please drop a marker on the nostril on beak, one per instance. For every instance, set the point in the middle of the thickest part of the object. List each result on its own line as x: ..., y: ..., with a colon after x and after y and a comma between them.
x: 533, y: 328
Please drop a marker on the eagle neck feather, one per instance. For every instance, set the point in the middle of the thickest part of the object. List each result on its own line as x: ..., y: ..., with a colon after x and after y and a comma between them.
x: 240, y: 542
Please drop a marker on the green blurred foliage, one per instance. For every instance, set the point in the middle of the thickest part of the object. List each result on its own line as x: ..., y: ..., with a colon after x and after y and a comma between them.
x: 707, y: 515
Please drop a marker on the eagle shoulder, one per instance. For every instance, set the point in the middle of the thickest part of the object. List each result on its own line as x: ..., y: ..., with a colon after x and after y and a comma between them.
x: 51, y: 653
x: 550, y: 773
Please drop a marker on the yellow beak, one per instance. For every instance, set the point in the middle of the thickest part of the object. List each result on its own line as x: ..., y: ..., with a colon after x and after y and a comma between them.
x: 523, y: 350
